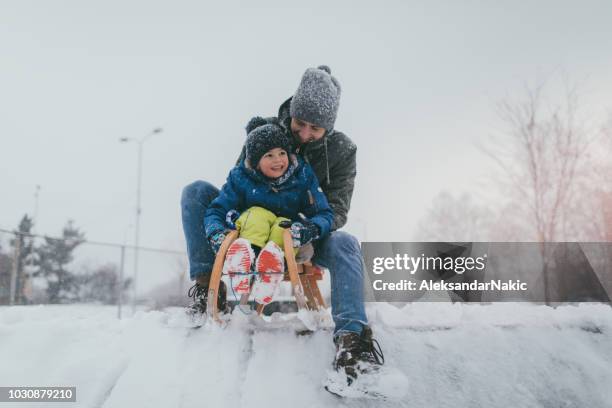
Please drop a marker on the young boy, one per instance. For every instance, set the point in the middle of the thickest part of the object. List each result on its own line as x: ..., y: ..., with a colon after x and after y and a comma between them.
x: 269, y: 186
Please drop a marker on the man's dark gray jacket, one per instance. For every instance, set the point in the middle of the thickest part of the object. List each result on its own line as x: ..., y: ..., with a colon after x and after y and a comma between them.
x: 334, y: 161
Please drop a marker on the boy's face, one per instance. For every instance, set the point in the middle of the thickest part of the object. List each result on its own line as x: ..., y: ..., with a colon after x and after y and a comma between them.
x: 305, y: 131
x: 274, y: 163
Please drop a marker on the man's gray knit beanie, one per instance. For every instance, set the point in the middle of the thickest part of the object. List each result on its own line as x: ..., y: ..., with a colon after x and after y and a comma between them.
x: 317, y: 98
x: 263, y: 137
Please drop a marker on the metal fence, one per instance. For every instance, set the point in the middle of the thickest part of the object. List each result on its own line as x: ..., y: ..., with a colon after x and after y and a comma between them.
x: 102, y: 272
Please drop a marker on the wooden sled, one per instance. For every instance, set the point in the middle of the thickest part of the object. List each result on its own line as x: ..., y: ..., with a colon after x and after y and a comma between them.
x: 303, y: 279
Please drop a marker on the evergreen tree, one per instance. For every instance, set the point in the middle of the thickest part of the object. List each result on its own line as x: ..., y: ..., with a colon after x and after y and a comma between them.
x: 54, y: 256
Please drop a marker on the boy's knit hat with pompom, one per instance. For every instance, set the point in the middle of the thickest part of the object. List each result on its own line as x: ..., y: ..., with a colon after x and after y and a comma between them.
x: 263, y: 137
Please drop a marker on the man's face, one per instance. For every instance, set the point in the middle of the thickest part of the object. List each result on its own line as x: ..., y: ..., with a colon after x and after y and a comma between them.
x: 306, y: 132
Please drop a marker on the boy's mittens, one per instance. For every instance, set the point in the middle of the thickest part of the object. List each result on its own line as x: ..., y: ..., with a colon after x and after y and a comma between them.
x: 216, y: 240
x: 285, y: 224
x: 231, y: 217
x: 304, y: 232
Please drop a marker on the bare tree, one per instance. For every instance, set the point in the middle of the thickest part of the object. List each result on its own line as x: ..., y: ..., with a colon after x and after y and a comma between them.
x: 103, y: 285
x: 543, y: 154
x: 456, y: 219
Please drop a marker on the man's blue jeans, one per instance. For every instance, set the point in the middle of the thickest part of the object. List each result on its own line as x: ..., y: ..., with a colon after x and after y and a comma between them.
x: 339, y: 252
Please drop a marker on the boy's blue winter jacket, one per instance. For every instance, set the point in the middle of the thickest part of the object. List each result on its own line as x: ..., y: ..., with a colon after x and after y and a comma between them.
x: 297, y: 191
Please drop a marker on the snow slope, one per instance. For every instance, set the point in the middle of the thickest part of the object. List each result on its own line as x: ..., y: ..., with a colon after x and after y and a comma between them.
x: 453, y: 355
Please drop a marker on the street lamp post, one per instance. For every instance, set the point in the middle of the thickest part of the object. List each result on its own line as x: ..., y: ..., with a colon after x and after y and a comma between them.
x: 140, y: 143
x: 35, y: 217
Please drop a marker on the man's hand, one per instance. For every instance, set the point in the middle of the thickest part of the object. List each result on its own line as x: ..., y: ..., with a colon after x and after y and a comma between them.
x: 231, y: 217
x: 216, y: 240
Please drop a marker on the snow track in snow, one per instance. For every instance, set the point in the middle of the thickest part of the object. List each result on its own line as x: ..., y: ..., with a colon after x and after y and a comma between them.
x: 114, y: 373
x: 453, y: 355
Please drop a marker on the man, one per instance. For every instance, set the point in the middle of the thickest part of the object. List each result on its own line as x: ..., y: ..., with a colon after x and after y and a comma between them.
x: 309, y: 116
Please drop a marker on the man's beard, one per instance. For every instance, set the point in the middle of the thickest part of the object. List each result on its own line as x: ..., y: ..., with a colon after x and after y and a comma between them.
x: 298, y: 140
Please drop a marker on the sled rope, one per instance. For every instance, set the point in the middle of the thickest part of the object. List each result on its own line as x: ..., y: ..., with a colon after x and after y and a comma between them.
x: 245, y: 274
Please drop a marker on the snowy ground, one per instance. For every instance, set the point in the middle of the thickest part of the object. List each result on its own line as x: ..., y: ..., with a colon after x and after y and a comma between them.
x: 503, y: 355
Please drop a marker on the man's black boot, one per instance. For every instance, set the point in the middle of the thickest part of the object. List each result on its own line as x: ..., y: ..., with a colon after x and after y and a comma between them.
x: 357, y: 353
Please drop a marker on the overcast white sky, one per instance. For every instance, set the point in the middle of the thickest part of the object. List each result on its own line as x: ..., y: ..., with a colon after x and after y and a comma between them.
x: 420, y: 81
